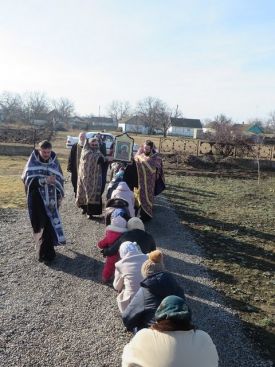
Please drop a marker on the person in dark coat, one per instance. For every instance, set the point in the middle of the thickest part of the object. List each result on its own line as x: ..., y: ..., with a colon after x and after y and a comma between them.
x: 136, y: 233
x: 105, y: 165
x: 74, y: 158
x: 44, y: 185
x: 130, y: 175
x: 157, y: 285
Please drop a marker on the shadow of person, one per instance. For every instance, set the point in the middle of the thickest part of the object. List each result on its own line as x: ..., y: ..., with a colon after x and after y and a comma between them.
x: 79, y: 265
x: 98, y: 219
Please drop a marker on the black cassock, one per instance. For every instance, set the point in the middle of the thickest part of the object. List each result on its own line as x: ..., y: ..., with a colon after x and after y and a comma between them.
x: 130, y: 175
x: 73, y: 164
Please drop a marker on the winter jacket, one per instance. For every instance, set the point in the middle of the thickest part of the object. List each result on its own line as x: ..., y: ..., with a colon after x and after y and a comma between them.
x: 112, y: 186
x: 113, y: 204
x: 171, y: 348
x: 145, y: 241
x: 123, y: 192
x: 140, y: 313
x: 127, y: 278
x: 108, y: 240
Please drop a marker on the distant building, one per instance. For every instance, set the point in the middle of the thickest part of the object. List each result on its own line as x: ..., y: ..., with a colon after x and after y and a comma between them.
x: 101, y: 122
x: 179, y: 126
x: 76, y: 122
x: 133, y: 124
x: 185, y: 127
x: 248, y: 129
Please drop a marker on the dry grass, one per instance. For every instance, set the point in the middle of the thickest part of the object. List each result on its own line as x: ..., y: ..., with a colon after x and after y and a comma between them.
x: 10, y: 166
x: 233, y: 220
x: 12, y: 192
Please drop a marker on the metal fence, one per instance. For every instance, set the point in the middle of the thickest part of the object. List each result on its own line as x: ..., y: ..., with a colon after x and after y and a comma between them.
x: 182, y: 146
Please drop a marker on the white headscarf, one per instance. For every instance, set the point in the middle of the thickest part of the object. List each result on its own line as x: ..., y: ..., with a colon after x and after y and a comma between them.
x: 129, y: 248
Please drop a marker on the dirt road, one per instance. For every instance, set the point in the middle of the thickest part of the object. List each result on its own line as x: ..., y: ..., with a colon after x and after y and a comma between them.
x: 61, y: 315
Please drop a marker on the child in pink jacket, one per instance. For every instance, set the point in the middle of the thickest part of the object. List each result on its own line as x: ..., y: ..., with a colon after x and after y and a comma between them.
x: 117, y: 227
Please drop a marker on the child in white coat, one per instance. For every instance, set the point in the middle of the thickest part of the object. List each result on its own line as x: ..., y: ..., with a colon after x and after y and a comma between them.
x: 128, y: 273
x: 123, y: 192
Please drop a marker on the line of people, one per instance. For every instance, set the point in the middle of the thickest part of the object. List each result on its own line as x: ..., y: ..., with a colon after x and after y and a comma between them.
x: 151, y: 302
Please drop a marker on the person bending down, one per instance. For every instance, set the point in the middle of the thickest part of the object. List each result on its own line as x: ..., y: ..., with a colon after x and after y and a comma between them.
x: 113, y: 232
x: 128, y: 273
x: 156, y: 285
x: 136, y: 233
x: 171, y: 341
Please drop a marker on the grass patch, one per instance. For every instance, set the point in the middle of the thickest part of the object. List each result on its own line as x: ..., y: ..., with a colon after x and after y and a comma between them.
x: 12, y: 192
x: 12, y: 165
x: 233, y: 221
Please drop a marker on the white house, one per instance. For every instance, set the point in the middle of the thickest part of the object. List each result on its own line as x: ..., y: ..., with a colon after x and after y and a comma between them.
x: 185, y: 127
x: 133, y: 124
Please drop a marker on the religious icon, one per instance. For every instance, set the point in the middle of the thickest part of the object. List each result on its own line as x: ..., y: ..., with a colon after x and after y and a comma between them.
x: 123, y: 148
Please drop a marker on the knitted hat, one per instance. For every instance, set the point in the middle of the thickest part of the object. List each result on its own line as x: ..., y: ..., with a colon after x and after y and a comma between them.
x: 153, y: 265
x: 118, y: 224
x: 173, y: 308
x: 129, y: 248
x: 135, y: 223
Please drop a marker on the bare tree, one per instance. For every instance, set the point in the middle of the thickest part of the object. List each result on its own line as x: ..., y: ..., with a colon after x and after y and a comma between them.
x: 176, y: 112
x: 164, y: 115
x: 119, y: 109
x: 64, y: 107
x: 219, y: 120
x: 227, y: 140
x: 270, y: 123
x: 12, y: 106
x: 154, y: 113
x: 37, y: 105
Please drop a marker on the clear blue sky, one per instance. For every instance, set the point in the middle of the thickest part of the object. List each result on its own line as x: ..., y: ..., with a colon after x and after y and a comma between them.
x: 207, y: 56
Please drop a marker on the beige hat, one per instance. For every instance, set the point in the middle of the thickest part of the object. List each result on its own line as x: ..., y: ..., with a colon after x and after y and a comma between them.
x: 135, y: 223
x: 153, y: 265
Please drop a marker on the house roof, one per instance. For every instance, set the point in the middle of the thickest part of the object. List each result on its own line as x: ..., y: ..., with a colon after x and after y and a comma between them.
x: 184, y: 122
x: 252, y: 128
x: 101, y: 120
x: 132, y: 120
x: 256, y: 129
x: 76, y: 118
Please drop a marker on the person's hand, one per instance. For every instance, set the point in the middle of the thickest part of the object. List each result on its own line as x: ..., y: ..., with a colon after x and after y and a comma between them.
x: 103, y: 252
x: 50, y: 180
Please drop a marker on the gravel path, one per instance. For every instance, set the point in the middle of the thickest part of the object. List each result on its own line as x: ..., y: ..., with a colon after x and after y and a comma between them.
x: 63, y: 316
